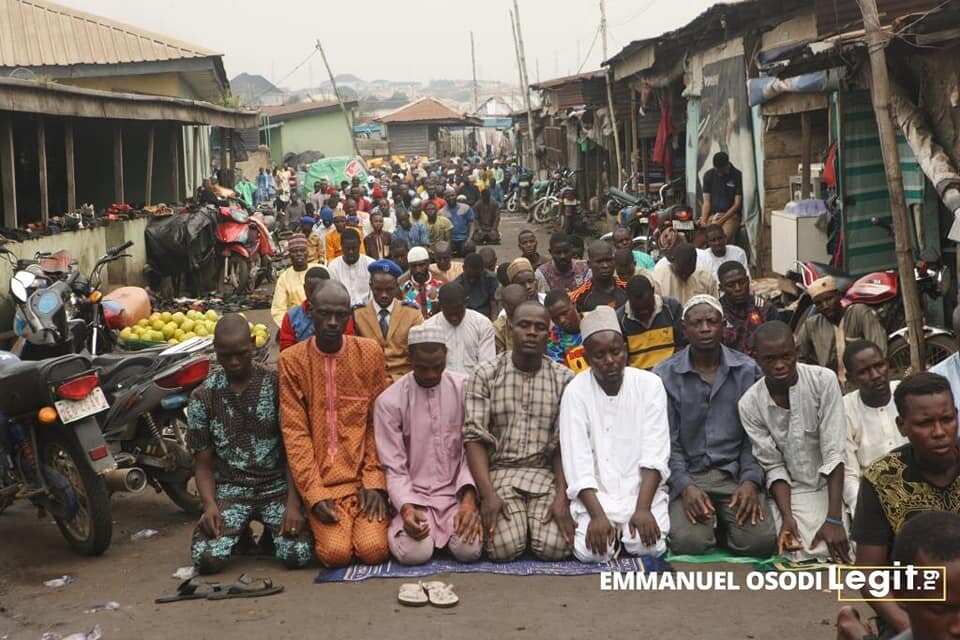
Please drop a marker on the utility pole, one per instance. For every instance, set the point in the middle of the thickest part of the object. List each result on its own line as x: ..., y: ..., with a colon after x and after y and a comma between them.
x: 608, y: 73
x: 343, y: 107
x: 537, y: 65
x: 524, y: 83
x: 473, y: 62
x: 880, y: 93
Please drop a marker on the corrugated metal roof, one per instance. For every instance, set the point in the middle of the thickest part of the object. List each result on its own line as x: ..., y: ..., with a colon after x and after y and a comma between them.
x: 426, y: 109
x: 303, y: 108
x: 838, y: 16
x: 36, y: 33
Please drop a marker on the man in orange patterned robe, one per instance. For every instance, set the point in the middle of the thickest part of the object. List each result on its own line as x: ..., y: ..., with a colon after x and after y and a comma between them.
x: 328, y: 385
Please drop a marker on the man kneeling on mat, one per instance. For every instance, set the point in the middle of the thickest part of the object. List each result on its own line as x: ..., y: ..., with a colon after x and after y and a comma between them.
x: 241, y: 473
x: 418, y: 423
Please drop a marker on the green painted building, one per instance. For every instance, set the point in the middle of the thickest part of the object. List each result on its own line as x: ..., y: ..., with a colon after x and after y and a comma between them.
x: 308, y: 126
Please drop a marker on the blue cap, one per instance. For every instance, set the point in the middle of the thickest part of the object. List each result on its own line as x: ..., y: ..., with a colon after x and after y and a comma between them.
x: 354, y: 220
x: 308, y: 220
x: 326, y: 216
x: 385, y: 266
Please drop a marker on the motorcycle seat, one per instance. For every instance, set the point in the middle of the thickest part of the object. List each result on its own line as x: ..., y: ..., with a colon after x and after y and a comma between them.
x: 844, y: 281
x: 118, y: 367
x: 623, y: 196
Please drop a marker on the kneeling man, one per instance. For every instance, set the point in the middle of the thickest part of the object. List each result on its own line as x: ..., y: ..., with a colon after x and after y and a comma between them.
x: 615, y: 444
x: 418, y: 423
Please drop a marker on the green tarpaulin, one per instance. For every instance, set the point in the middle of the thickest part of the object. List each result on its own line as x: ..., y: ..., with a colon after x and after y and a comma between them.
x: 335, y: 170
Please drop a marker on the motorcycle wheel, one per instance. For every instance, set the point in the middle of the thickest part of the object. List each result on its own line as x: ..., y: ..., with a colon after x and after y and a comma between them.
x: 512, y: 203
x: 183, y: 493
x: 937, y: 348
x: 541, y: 211
x: 90, y: 530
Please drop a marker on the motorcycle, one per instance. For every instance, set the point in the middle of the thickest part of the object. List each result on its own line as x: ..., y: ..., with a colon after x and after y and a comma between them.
x: 52, y: 452
x: 245, y: 244
x: 520, y: 196
x: 547, y: 206
x: 880, y: 291
x: 147, y: 389
x: 145, y: 427
x: 644, y: 216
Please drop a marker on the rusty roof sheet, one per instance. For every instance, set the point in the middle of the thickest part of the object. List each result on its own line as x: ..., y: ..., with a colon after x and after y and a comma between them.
x: 423, y: 110
x: 37, y: 33
x: 303, y: 108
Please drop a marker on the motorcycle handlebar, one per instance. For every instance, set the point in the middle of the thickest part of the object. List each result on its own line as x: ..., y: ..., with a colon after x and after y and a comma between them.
x: 118, y: 250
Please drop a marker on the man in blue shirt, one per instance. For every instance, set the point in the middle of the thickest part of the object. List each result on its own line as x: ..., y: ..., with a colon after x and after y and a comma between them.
x: 715, y: 482
x: 462, y: 217
x: 415, y: 234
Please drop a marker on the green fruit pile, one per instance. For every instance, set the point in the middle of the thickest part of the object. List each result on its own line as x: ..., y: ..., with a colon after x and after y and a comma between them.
x: 172, y: 328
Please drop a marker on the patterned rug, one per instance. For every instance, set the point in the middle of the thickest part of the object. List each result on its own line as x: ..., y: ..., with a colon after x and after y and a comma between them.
x: 524, y: 566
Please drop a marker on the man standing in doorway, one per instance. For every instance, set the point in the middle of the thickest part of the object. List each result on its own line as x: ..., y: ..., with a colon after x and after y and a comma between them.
x: 723, y: 196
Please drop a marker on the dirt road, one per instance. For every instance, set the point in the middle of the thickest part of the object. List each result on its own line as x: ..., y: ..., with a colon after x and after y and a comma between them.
x: 133, y: 573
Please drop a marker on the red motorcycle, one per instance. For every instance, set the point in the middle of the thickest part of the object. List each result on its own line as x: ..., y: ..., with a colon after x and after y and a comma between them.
x: 245, y: 245
x: 881, y: 292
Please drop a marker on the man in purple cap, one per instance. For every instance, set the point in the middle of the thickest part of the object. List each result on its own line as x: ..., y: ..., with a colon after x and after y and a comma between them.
x: 388, y: 320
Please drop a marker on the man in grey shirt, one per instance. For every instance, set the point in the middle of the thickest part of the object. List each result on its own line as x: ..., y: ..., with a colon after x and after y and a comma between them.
x: 715, y: 482
x: 794, y: 417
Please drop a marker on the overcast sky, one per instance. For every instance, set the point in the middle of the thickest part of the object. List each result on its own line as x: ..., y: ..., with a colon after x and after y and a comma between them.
x: 415, y: 40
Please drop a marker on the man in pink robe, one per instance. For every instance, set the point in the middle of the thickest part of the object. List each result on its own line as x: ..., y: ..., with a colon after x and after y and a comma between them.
x: 418, y: 423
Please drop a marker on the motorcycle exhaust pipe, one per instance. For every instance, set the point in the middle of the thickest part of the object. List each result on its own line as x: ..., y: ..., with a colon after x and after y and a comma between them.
x: 131, y: 480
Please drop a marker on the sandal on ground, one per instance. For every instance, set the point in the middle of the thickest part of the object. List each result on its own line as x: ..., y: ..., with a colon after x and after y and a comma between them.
x: 412, y: 595
x: 440, y: 594
x: 191, y: 589
x: 246, y: 587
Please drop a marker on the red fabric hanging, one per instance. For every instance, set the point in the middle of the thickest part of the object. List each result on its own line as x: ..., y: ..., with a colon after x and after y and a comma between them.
x: 661, y: 148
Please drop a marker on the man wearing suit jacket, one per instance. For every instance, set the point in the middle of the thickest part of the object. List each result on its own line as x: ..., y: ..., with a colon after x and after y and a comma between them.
x: 387, y: 320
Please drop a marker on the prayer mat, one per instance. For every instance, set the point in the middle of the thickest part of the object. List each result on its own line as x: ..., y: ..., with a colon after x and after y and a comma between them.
x: 762, y: 564
x: 524, y: 566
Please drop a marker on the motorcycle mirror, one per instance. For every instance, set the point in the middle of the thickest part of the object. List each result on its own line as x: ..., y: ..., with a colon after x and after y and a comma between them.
x: 25, y: 278
x: 18, y: 290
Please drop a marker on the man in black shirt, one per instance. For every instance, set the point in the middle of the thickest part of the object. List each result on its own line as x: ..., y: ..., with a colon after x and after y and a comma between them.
x: 480, y: 287
x: 723, y: 196
x: 919, y: 477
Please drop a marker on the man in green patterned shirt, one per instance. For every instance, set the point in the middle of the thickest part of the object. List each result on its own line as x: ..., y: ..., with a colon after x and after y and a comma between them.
x: 233, y: 431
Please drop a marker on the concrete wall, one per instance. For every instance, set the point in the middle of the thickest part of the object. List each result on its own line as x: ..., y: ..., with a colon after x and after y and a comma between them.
x: 86, y: 245
x: 324, y: 132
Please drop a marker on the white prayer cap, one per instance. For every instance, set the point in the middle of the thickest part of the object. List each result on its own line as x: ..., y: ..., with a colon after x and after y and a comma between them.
x: 701, y: 299
x: 418, y: 254
x: 424, y: 333
x: 602, y: 318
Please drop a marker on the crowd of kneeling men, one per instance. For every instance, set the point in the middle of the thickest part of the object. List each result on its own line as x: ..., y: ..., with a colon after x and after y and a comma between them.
x: 343, y: 458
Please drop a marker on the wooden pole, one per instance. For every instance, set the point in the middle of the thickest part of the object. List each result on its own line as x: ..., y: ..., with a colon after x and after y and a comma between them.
x: 8, y: 169
x: 806, y: 146
x: 197, y: 168
x: 525, y: 84
x: 880, y: 92
x: 634, y: 159
x: 175, y: 132
x: 343, y: 107
x: 42, y: 169
x: 118, y: 162
x: 516, y: 51
x: 148, y: 185
x: 71, y: 167
x: 473, y: 62
x: 613, y: 113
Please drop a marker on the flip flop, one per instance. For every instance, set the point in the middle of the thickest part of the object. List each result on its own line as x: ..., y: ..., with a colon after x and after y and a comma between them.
x: 190, y: 589
x: 412, y: 595
x: 440, y: 594
x: 246, y: 587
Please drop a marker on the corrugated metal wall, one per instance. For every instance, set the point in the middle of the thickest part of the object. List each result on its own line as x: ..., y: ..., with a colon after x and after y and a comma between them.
x: 408, y: 139
x: 869, y: 247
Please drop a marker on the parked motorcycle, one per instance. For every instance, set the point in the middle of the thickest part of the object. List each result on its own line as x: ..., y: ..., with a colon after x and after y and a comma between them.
x: 547, y: 205
x: 519, y: 198
x: 147, y: 389
x: 52, y: 452
x: 881, y: 291
x: 244, y: 243
x: 644, y: 216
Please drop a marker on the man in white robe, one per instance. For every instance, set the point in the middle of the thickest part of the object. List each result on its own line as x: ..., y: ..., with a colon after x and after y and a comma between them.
x: 615, y: 443
x: 469, y: 335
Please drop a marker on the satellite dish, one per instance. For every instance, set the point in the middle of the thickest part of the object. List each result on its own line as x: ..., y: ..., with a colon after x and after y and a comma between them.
x: 22, y: 73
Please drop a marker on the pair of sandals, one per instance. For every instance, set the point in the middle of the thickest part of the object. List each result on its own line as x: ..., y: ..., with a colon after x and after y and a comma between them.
x: 435, y: 593
x: 244, y: 587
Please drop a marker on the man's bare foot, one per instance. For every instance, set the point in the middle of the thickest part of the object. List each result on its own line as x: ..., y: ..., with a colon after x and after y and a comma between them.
x: 849, y: 625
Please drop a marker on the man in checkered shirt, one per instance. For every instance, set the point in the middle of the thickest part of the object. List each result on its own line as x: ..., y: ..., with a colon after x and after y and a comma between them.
x: 513, y: 448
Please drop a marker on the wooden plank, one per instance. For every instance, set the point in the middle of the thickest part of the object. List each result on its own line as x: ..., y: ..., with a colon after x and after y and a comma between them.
x: 805, y: 152
x: 175, y: 133
x: 118, y: 162
x: 42, y: 169
x: 794, y: 103
x: 71, y: 169
x: 8, y: 171
x: 148, y: 185
x: 197, y: 169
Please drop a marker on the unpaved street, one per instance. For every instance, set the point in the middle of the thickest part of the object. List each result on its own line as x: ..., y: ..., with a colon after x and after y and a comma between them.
x: 133, y: 573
